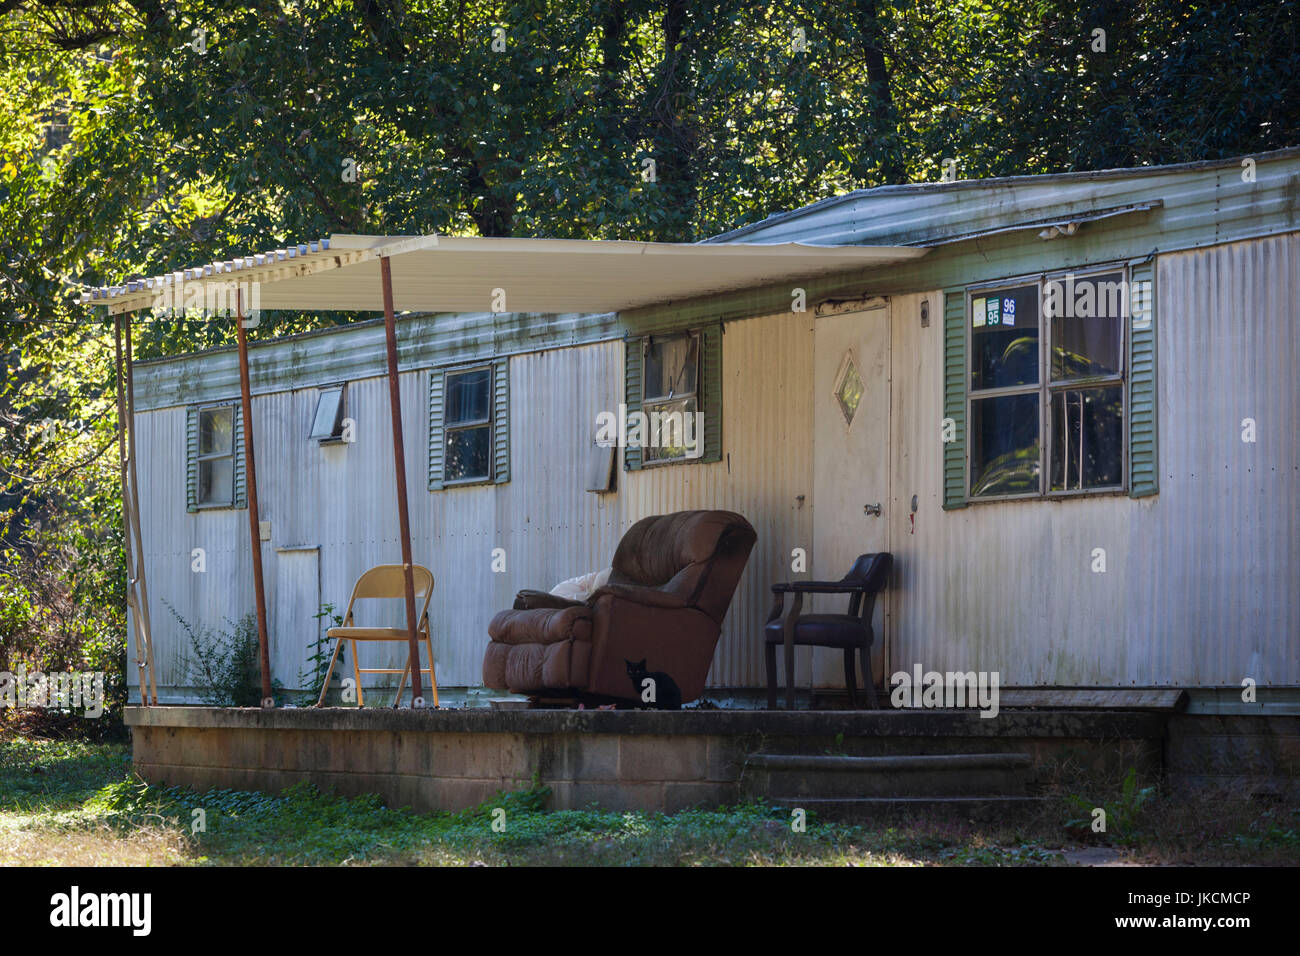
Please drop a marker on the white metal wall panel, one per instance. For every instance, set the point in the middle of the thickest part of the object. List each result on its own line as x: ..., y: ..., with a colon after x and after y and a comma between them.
x: 766, y: 466
x: 341, y: 499
x: 1200, y: 586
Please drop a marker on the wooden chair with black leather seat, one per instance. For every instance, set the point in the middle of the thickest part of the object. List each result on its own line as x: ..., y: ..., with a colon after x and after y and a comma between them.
x: 851, y: 631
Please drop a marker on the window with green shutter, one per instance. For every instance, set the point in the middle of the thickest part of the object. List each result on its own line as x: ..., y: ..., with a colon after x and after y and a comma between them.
x: 469, y: 424
x: 214, y: 445
x: 673, y: 398
x: 1049, y: 386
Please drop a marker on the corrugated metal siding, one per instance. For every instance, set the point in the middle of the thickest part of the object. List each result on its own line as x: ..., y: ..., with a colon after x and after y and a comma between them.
x: 1229, y: 350
x: 766, y: 464
x: 1200, y: 586
x: 357, y: 351
x: 341, y: 498
x: 550, y: 526
x: 170, y: 534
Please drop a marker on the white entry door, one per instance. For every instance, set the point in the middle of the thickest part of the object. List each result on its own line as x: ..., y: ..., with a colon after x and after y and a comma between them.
x: 851, y: 464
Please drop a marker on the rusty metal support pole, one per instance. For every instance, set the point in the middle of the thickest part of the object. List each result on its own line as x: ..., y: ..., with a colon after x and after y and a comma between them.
x: 254, y: 519
x: 131, y: 603
x: 141, y: 578
x: 399, y: 462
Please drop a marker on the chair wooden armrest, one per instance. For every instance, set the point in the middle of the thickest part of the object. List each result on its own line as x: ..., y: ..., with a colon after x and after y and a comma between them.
x: 848, y: 631
x: 815, y: 587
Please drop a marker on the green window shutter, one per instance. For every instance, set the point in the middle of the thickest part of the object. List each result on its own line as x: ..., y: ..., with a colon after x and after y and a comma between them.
x: 237, y: 445
x: 436, y: 378
x: 1143, y: 473
x: 191, y: 459
x: 711, y: 375
x: 632, y: 395
x: 501, y: 420
x: 954, y: 397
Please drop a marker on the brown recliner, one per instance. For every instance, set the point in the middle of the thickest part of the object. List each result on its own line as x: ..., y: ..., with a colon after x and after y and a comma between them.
x: 669, y: 588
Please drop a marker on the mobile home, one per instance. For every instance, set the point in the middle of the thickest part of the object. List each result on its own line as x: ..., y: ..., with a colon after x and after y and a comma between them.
x: 1071, y: 416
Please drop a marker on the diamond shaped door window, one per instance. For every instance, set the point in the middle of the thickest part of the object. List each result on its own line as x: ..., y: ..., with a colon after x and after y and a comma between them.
x: 848, y: 388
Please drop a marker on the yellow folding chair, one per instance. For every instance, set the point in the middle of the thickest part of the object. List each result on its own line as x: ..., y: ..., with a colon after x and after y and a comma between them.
x: 384, y: 581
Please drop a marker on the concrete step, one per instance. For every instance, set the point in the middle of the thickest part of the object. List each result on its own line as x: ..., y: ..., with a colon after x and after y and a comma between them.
x: 896, y: 776
x: 983, y: 807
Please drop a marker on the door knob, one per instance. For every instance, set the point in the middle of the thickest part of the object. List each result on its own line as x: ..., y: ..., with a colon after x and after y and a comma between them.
x: 871, y: 509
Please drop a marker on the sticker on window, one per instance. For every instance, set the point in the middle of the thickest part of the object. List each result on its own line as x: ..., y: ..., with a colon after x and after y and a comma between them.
x: 977, y: 312
x: 994, y: 316
x: 1008, y: 311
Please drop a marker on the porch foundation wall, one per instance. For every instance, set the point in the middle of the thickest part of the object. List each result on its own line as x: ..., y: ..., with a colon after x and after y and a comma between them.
x: 1259, y: 755
x: 617, y: 760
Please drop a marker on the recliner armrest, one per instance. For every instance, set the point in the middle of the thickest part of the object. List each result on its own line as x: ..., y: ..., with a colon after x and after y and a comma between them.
x: 528, y: 600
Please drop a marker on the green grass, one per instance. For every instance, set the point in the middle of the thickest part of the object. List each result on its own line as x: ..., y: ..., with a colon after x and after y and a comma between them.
x: 65, y: 802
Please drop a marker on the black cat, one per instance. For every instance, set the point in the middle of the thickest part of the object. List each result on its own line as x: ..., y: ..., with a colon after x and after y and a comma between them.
x: 668, y: 696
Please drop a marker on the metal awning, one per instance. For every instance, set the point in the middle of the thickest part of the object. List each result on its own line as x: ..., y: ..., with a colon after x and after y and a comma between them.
x: 464, y: 274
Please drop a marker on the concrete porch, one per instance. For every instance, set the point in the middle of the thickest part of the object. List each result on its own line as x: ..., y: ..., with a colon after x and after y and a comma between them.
x: 669, y: 761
